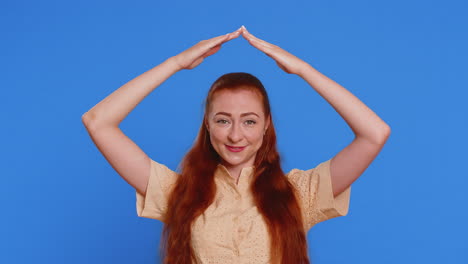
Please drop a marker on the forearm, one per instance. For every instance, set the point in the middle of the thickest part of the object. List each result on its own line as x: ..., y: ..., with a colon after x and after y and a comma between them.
x: 362, y: 120
x: 115, y: 107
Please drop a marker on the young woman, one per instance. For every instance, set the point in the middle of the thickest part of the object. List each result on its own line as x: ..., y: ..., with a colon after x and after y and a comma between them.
x: 231, y: 202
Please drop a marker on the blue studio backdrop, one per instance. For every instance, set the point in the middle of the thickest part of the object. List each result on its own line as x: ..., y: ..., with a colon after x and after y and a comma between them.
x: 62, y: 202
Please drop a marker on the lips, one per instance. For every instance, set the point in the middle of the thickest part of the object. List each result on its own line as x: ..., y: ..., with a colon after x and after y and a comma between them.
x: 234, y: 148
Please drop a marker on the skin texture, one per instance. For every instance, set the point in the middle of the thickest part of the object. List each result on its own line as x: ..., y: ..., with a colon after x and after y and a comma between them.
x: 132, y: 163
x: 235, y: 130
x: 370, y: 131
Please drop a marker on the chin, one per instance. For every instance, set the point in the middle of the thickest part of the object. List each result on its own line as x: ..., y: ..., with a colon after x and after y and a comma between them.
x: 233, y: 162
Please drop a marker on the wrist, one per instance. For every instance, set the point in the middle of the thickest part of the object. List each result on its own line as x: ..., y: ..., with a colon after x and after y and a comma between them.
x: 174, y: 63
x: 305, y: 67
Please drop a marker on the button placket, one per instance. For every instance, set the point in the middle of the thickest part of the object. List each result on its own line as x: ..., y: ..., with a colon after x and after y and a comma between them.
x: 244, y: 182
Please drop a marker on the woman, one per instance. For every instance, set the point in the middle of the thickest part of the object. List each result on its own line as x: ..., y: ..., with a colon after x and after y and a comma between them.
x: 231, y: 201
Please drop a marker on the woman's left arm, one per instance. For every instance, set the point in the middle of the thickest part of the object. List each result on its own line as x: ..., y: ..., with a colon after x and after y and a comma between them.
x: 370, y: 131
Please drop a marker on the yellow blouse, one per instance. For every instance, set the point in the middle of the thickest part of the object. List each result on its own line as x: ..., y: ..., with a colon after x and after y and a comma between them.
x: 232, y: 230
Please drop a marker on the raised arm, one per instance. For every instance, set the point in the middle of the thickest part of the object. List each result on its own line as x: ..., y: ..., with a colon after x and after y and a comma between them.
x: 102, y: 121
x: 370, y: 131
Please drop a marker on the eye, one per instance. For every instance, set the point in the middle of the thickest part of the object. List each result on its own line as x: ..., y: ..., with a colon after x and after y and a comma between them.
x: 251, y: 122
x: 222, y: 121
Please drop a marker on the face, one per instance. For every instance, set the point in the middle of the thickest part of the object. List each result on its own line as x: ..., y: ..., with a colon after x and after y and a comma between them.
x: 236, y: 119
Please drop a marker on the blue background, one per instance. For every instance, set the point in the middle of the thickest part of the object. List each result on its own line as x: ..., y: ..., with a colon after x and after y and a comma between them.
x: 63, y: 203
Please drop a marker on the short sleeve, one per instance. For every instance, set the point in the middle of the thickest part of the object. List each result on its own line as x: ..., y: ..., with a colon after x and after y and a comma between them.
x: 154, y: 203
x: 315, y: 194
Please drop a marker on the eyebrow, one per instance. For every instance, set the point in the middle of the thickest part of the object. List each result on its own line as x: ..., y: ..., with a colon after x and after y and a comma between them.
x: 243, y: 114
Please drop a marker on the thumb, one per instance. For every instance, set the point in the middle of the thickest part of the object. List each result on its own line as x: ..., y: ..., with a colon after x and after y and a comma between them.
x: 212, y: 51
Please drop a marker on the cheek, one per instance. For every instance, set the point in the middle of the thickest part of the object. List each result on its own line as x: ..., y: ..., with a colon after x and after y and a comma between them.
x: 255, y: 136
x: 217, y: 135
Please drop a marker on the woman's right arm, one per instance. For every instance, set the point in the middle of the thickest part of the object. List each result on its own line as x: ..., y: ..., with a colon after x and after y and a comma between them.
x: 102, y: 121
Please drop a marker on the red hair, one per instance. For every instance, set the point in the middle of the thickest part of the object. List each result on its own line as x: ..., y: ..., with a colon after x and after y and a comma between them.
x: 272, y: 193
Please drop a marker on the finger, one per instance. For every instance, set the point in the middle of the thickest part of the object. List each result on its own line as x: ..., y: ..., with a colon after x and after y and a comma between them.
x: 216, y: 41
x: 237, y: 31
x: 235, y: 34
x: 258, y: 42
x: 230, y: 35
x: 262, y: 42
x: 212, y: 51
x: 259, y: 46
x: 205, y: 45
x: 249, y: 35
x: 196, y: 63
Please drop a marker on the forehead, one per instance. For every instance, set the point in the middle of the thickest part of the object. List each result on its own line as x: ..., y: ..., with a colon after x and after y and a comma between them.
x: 238, y: 101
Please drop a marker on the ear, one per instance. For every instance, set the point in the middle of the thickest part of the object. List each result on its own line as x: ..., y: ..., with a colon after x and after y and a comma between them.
x: 206, y: 124
x: 267, y: 123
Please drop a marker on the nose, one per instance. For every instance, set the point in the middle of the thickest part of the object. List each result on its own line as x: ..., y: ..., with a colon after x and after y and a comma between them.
x: 235, y: 134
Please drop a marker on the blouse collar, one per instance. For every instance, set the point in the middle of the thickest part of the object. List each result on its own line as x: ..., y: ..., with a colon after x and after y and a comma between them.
x: 245, y: 178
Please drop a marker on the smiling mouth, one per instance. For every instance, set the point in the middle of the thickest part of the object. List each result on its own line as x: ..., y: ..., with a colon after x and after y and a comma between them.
x: 234, y: 149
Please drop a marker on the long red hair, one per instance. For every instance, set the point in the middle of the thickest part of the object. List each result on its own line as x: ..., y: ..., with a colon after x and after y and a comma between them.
x: 195, y: 189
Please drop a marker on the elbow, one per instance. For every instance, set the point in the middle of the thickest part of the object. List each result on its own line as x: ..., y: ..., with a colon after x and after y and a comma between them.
x: 378, y: 136
x: 91, y: 122
x: 384, y: 134
x: 87, y: 120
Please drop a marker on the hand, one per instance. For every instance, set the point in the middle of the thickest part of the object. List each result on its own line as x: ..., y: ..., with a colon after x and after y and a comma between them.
x: 285, y: 60
x: 193, y: 56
